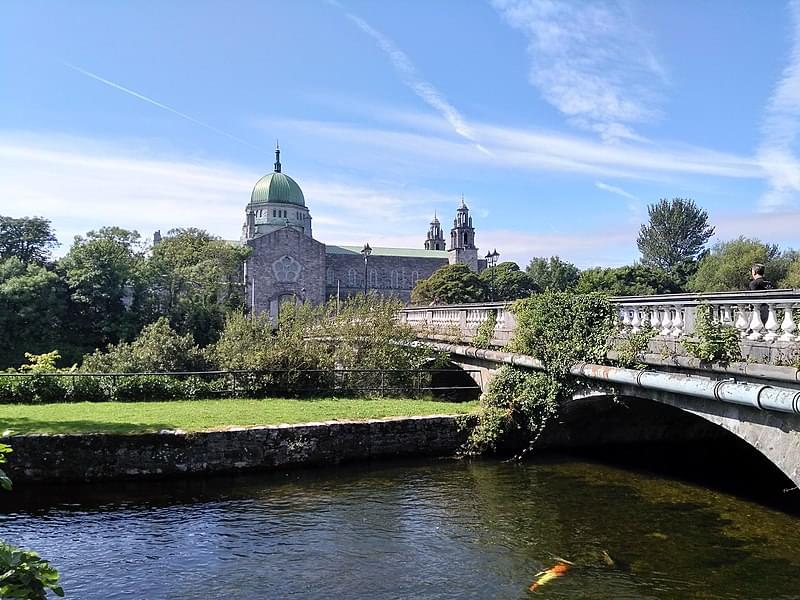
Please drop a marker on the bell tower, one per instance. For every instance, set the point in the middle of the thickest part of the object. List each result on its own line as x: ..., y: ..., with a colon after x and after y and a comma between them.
x: 462, y: 239
x: 435, y: 239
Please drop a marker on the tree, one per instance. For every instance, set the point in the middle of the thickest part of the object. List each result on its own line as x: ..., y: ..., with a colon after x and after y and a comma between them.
x: 632, y: 280
x: 195, y: 280
x: 33, y: 311
x: 552, y: 274
x: 28, y: 238
x: 727, y: 266
x: 792, y: 277
x: 451, y: 284
x: 675, y: 236
x: 157, y: 348
x: 507, y: 282
x: 102, y: 271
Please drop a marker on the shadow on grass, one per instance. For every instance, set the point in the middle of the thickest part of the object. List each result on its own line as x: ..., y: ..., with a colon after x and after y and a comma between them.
x: 24, y: 425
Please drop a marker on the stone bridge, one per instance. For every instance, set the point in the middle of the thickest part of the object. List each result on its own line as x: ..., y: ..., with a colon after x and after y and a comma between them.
x: 676, y: 396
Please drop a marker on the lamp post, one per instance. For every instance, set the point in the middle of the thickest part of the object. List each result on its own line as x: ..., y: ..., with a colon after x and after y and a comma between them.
x: 491, y: 262
x: 366, y: 251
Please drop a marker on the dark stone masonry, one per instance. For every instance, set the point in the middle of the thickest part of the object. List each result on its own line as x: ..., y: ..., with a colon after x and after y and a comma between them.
x: 101, y: 456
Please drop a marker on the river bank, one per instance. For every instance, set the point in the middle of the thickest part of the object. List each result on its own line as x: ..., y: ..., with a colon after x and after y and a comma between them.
x: 171, y: 453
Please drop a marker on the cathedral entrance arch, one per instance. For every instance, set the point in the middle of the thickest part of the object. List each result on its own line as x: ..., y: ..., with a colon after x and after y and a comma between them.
x: 277, y: 301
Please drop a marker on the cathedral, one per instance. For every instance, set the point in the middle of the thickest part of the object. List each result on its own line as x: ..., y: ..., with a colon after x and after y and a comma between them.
x: 287, y: 263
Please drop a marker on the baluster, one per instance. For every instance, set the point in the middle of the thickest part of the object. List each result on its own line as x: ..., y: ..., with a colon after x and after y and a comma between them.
x: 727, y: 319
x: 788, y: 326
x: 677, y: 323
x: 626, y: 318
x: 742, y: 320
x: 756, y: 324
x: 636, y: 321
x: 771, y: 325
x: 666, y: 321
x: 655, y: 322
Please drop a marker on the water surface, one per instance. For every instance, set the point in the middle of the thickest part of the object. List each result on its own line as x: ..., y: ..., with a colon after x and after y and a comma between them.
x: 433, y: 529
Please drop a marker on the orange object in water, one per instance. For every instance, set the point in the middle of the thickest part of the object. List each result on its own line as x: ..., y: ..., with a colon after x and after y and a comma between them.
x: 557, y: 570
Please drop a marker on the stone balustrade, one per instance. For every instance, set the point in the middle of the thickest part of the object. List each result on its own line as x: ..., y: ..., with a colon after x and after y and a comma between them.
x: 769, y: 318
x: 764, y: 316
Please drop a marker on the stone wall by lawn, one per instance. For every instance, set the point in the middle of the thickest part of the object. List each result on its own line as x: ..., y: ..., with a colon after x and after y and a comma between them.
x: 99, y: 456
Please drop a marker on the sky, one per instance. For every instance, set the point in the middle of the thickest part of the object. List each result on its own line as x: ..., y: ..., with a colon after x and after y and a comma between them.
x: 559, y: 122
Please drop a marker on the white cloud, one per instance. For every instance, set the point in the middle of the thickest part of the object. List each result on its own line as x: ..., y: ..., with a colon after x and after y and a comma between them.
x: 83, y: 184
x: 536, y: 150
x: 781, y: 128
x: 597, y: 248
x: 590, y: 61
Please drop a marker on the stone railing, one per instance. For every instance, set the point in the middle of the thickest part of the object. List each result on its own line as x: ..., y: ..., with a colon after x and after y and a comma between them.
x: 460, y: 322
x: 766, y: 319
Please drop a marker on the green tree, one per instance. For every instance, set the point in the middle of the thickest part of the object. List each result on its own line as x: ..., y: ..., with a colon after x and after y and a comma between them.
x: 102, y: 271
x: 727, y: 266
x: 33, y: 311
x: 157, y: 348
x: 507, y: 282
x: 451, y: 284
x: 631, y: 280
x: 792, y: 277
x: 552, y: 274
x: 675, y: 236
x: 195, y: 279
x: 28, y: 238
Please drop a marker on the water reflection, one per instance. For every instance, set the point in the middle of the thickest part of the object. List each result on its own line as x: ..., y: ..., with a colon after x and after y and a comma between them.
x: 435, y: 529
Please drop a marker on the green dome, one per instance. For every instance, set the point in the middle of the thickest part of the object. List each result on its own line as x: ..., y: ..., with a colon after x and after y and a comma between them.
x: 277, y: 187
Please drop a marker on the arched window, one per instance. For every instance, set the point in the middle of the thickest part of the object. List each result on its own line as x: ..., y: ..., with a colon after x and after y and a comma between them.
x: 330, y: 276
x: 395, y: 279
x: 351, y: 277
x: 414, y: 278
x: 373, y: 278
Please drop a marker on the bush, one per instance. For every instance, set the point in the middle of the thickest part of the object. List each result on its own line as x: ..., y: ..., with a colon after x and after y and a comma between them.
x: 518, y: 401
x: 562, y: 329
x: 157, y: 348
x: 712, y: 341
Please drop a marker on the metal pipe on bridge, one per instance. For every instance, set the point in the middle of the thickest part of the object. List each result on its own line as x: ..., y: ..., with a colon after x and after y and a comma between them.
x: 756, y: 395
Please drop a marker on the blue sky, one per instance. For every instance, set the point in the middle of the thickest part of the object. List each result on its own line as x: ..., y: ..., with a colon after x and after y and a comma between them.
x: 559, y: 122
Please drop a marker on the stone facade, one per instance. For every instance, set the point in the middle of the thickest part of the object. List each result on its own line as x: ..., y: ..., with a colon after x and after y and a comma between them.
x: 287, y: 264
x: 388, y: 275
x: 100, y: 456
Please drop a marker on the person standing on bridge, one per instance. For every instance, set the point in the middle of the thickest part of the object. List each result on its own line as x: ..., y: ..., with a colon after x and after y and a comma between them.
x: 757, y: 278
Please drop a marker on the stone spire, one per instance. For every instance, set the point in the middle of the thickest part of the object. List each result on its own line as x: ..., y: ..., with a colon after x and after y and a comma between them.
x: 462, y: 239
x: 435, y: 239
x: 277, y: 157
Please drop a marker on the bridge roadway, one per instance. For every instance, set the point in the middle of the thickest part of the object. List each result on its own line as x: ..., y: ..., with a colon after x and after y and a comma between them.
x: 757, y: 402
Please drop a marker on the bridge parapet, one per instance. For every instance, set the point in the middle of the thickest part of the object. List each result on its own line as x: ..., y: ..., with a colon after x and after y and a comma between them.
x: 767, y: 321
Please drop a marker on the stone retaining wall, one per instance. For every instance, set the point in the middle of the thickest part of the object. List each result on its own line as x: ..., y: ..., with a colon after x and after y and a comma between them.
x: 100, y: 456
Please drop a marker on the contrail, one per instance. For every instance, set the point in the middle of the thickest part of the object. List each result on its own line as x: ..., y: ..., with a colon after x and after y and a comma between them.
x: 408, y: 73
x: 158, y: 104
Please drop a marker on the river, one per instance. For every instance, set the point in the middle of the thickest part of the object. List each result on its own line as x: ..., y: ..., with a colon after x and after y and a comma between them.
x: 421, y: 529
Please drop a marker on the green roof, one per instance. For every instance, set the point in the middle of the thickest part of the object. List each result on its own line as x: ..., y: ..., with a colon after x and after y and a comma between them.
x: 414, y: 252
x: 277, y: 187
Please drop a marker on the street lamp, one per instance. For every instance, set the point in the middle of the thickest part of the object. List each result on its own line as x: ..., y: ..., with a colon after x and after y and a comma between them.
x: 366, y: 251
x: 491, y: 262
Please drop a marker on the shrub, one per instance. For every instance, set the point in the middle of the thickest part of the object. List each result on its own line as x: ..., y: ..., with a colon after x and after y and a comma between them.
x: 712, y: 341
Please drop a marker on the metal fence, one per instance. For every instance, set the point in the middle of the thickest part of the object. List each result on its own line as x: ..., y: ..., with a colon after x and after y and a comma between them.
x: 158, y: 385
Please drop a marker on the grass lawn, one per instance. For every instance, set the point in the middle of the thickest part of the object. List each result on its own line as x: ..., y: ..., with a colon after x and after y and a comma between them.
x: 199, y: 415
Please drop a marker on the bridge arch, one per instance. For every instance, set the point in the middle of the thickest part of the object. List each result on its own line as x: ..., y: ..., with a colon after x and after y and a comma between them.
x: 737, y: 440
x: 455, y: 381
